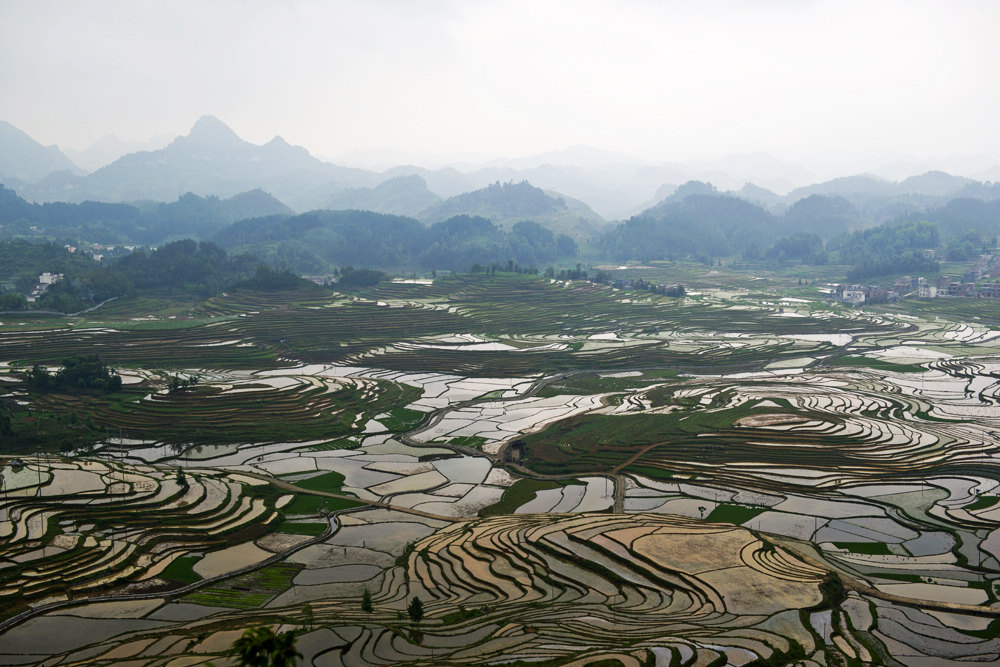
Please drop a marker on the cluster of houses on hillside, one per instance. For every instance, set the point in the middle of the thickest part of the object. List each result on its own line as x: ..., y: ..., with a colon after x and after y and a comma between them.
x: 655, y: 288
x: 44, y: 280
x: 857, y: 295
x: 969, y: 286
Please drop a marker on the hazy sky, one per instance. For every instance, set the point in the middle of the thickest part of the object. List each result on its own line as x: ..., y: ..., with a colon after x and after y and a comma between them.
x: 831, y: 80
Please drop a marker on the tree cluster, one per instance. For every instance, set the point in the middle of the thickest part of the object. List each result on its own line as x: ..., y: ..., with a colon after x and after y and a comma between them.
x: 317, y: 242
x: 707, y: 225
x: 78, y: 373
x: 185, y: 268
x: 146, y: 224
x: 888, y: 249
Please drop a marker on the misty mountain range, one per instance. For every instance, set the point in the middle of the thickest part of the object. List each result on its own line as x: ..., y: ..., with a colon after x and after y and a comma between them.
x: 594, y: 186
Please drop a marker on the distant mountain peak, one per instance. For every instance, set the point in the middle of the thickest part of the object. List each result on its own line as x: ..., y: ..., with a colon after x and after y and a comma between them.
x: 25, y: 159
x: 211, y: 130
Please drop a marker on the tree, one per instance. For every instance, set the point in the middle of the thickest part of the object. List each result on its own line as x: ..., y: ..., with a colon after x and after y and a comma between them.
x: 261, y: 647
x: 366, y: 602
x: 6, y: 428
x: 26, y: 280
x: 415, y: 610
x: 40, y: 378
x: 307, y: 615
x: 13, y: 301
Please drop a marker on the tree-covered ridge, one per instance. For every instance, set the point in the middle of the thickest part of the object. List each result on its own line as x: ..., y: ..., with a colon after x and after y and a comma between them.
x: 708, y: 225
x: 509, y: 203
x: 962, y: 215
x: 23, y: 257
x: 889, y: 249
x: 403, y: 195
x: 506, y: 200
x: 142, y: 224
x: 318, y: 242
x: 182, y: 268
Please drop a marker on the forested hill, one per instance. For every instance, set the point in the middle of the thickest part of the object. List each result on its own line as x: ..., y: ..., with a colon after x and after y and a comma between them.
x: 141, y: 224
x: 700, y: 221
x: 318, y: 242
x: 508, y: 203
x: 185, y: 269
x: 403, y: 195
x: 707, y: 225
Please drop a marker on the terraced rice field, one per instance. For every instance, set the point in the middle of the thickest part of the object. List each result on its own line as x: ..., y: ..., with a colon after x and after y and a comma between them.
x: 688, y: 476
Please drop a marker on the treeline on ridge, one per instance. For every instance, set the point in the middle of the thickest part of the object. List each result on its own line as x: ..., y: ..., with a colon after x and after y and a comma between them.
x: 181, y: 268
x: 699, y: 222
x: 319, y: 241
x: 144, y: 223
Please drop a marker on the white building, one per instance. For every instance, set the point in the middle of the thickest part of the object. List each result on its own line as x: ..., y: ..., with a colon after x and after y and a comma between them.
x: 854, y: 295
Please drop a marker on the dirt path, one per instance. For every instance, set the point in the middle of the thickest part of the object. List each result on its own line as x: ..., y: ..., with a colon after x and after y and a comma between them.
x: 635, y: 457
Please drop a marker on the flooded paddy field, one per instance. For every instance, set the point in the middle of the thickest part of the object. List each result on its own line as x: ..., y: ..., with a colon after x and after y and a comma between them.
x: 584, y: 475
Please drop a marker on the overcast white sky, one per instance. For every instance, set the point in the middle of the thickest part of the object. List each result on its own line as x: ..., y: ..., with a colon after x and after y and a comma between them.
x: 804, y: 81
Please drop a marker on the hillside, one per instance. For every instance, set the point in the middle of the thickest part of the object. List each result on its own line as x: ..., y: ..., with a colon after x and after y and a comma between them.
x: 696, y: 220
x: 402, y: 195
x: 210, y: 160
x: 25, y: 160
x: 508, y: 203
x: 320, y: 241
x: 148, y: 223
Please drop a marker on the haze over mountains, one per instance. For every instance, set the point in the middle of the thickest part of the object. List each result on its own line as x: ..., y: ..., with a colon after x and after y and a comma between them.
x: 594, y: 185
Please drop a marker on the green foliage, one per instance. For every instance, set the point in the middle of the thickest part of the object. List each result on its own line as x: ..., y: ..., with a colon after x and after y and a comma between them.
x: 146, y: 224
x: 320, y: 241
x: 736, y: 514
x: 182, y: 570
x: 266, y: 279
x: 507, y: 200
x: 366, y: 602
x: 886, y: 249
x: 878, y: 364
x: 24, y: 260
x: 13, y: 301
x: 965, y: 247
x: 301, y: 528
x: 870, y: 548
x: 261, y: 647
x: 982, y: 502
x: 329, y: 482
x: 6, y: 428
x: 834, y: 593
x: 185, y: 267
x: 805, y: 247
x: 962, y: 214
x: 402, y: 419
x: 778, y: 658
x: 351, y: 277
x: 823, y: 215
x: 307, y: 504
x: 702, y: 223
x: 415, y: 610
x: 518, y: 494
x: 78, y: 373
x: 404, y: 558
x: 199, y: 268
x: 461, y: 614
x: 473, y: 441
x: 247, y: 591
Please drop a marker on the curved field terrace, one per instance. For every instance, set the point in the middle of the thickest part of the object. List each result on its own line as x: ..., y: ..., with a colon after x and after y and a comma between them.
x: 562, y: 473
